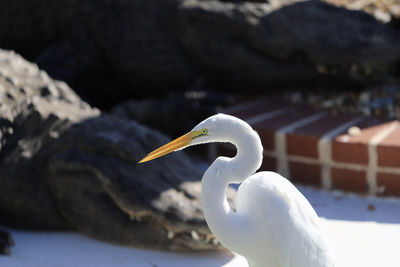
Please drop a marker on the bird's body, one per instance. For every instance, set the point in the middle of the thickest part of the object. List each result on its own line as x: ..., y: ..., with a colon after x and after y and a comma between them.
x: 274, y: 225
x: 284, y: 228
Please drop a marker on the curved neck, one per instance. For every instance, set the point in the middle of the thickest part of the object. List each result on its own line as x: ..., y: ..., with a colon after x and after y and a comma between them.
x: 225, y: 224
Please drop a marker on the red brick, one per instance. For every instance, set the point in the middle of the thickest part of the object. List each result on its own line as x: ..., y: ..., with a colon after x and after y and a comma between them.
x: 354, y: 149
x: 259, y: 107
x: 303, y: 141
x: 323, y: 125
x: 305, y: 173
x: 350, y: 152
x: 266, y: 128
x: 390, y: 182
x: 389, y: 150
x: 267, y: 138
x: 349, y: 180
x: 302, y: 145
x: 291, y: 115
x: 227, y: 150
x: 269, y: 164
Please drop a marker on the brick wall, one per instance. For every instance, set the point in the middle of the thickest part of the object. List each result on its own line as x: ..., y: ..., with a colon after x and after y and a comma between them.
x: 346, y: 152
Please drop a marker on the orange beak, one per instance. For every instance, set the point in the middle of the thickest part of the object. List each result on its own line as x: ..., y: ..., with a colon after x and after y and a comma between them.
x: 172, y: 146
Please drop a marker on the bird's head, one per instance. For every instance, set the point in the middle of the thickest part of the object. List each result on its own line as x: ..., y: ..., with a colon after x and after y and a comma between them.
x: 207, y: 131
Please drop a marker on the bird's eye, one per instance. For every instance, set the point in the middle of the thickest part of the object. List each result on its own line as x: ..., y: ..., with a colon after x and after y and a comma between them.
x: 199, y: 133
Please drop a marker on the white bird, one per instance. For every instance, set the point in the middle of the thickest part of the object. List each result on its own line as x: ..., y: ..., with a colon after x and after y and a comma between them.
x: 274, y: 224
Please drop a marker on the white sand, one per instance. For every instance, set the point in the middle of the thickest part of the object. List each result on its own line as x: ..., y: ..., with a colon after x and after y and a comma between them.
x: 359, y: 237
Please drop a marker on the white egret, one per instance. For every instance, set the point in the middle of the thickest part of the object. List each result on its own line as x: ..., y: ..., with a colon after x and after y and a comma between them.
x: 274, y: 224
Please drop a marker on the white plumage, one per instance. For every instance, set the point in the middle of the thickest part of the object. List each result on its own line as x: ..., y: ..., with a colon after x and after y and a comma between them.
x: 274, y: 225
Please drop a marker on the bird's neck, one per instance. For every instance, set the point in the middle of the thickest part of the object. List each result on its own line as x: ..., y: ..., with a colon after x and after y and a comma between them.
x: 226, y: 225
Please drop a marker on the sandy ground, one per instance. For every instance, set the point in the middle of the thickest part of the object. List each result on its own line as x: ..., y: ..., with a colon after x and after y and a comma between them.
x: 363, y: 231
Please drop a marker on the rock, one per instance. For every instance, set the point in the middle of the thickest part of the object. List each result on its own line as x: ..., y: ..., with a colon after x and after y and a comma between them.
x: 64, y: 165
x: 96, y: 166
x: 175, y: 114
x: 108, y: 50
x: 6, y: 242
x: 385, y: 11
x: 113, y: 50
x: 255, y: 45
x: 34, y: 109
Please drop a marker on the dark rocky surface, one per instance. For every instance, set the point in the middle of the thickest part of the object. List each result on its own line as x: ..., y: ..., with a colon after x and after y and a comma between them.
x: 255, y: 45
x: 113, y: 50
x: 6, y: 242
x: 174, y: 114
x: 64, y: 165
x: 377, y: 101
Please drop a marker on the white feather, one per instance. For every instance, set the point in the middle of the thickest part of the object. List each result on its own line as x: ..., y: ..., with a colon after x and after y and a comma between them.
x: 274, y: 224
